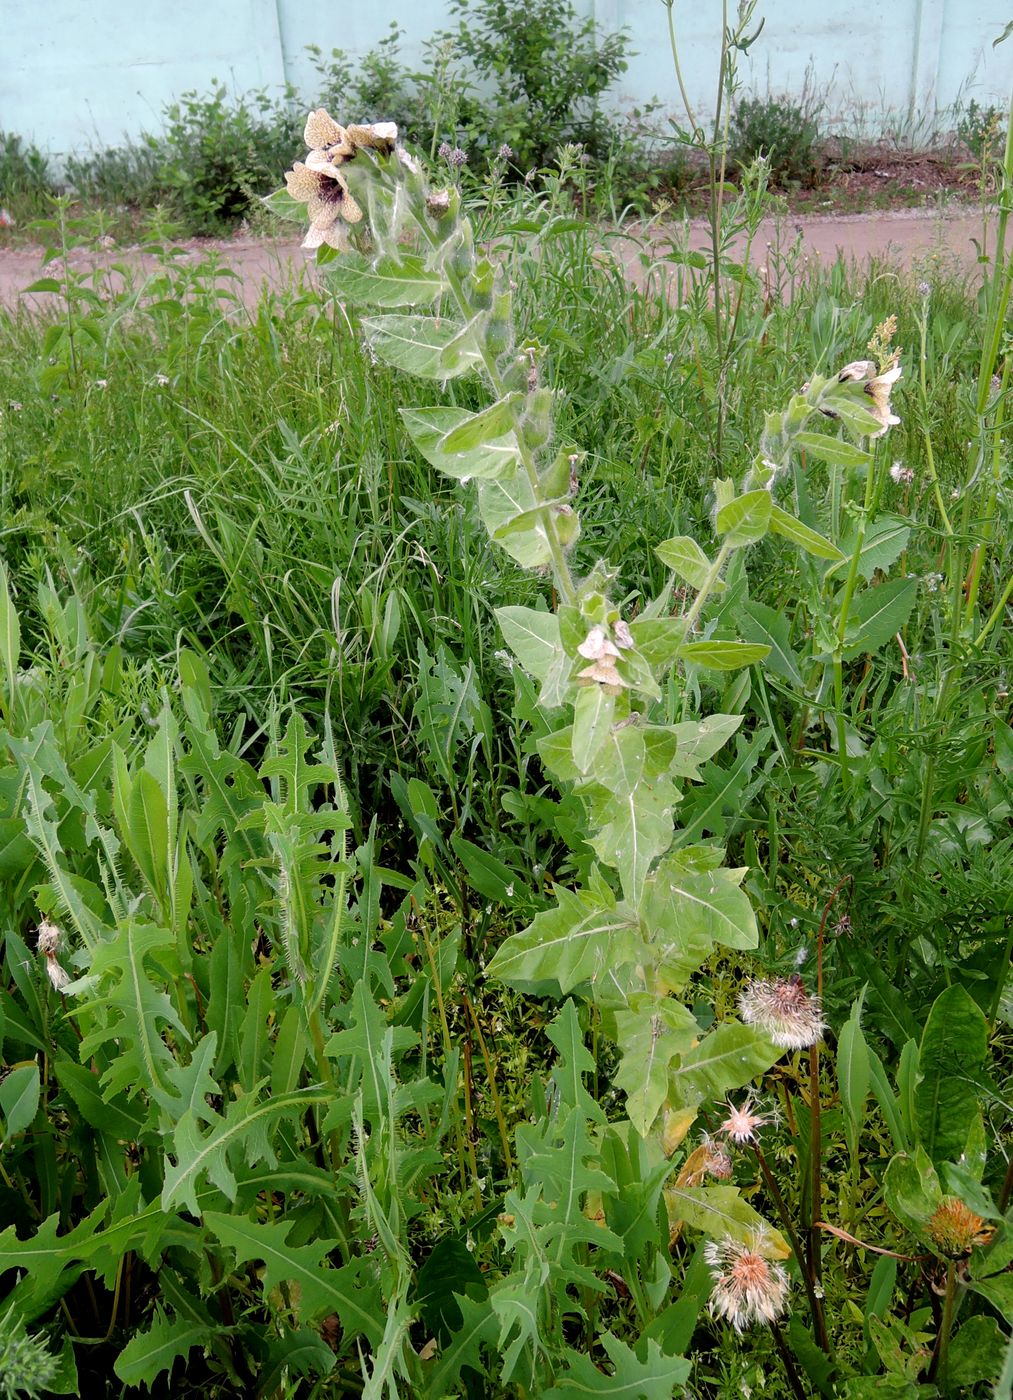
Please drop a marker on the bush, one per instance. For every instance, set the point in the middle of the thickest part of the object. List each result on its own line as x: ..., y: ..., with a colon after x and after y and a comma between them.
x: 981, y: 129
x: 550, y: 68
x: 25, y: 180
x: 787, y: 133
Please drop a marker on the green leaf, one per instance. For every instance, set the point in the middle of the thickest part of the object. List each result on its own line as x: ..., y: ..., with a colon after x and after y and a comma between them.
x: 578, y: 941
x: 727, y: 1058
x: 684, y: 557
x: 745, y: 518
x: 781, y: 523
x: 129, y: 988
x: 429, y: 428
x: 658, y: 639
x: 717, y: 655
x: 404, y: 281
x: 114, y: 1116
x: 593, y: 711
x: 650, y: 1035
x: 477, y: 1331
x: 877, y: 614
x: 657, y: 1377
x: 149, y: 1353
x: 10, y: 633
x: 853, y: 1074
x: 533, y: 637
x: 765, y: 627
x: 633, y: 816
x: 428, y: 346
x: 515, y: 519
x: 479, y: 428
x: 19, y: 1100
x: 975, y: 1353
x: 487, y: 875
x: 700, y: 739
x: 884, y: 542
x: 285, y: 206
x: 952, y: 1053
x: 832, y: 449
x: 721, y: 1213
x: 316, y: 1290
x: 246, y: 1125
x: 911, y: 1189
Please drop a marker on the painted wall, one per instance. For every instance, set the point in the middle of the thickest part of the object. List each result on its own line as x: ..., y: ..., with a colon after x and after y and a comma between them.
x: 76, y: 74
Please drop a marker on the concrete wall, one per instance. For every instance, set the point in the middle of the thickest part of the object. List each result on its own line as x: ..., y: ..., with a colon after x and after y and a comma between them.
x: 76, y: 74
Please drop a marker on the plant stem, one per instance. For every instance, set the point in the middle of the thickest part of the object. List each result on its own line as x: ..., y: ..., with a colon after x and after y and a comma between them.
x: 937, y: 1370
x: 791, y: 1370
x: 561, y: 569
x: 712, y: 576
x: 815, y: 1302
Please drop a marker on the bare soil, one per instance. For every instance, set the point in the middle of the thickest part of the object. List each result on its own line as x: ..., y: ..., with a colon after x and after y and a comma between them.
x: 912, y: 238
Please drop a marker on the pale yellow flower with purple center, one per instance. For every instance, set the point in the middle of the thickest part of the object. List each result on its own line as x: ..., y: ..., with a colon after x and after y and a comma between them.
x: 784, y: 1011
x: 329, y: 202
x: 749, y: 1289
x: 878, y: 387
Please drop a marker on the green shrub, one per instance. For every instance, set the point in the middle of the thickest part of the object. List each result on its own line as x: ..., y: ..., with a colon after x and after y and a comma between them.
x: 25, y: 178
x: 549, y: 66
x: 981, y: 130
x: 785, y: 132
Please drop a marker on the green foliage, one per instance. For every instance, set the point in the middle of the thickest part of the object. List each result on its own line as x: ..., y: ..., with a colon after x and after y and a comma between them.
x: 549, y: 67
x: 298, y: 758
x: 785, y: 133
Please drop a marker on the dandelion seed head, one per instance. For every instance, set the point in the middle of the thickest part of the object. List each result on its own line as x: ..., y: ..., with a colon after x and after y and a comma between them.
x: 784, y: 1011
x: 748, y: 1288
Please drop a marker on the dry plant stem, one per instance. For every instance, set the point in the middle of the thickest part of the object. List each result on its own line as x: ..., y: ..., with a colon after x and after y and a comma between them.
x: 497, y: 1103
x: 791, y: 1370
x: 1007, y: 1188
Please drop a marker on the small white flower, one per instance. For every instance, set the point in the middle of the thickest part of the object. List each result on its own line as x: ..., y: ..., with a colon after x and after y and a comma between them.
x: 901, y: 475
x: 596, y: 645
x: 623, y: 635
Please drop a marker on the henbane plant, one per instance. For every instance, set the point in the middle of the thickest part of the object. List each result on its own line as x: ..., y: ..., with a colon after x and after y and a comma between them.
x: 617, y: 689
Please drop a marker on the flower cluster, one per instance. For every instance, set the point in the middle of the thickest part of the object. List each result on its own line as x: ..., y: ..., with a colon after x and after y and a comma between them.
x: 878, y: 387
x: 599, y: 648
x: 955, y: 1229
x: 318, y: 181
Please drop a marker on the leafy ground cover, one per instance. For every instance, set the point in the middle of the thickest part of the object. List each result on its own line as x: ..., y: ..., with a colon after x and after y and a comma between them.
x: 505, y: 787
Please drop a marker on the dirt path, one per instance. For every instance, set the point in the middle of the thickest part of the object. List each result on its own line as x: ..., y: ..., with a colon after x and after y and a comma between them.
x: 908, y: 237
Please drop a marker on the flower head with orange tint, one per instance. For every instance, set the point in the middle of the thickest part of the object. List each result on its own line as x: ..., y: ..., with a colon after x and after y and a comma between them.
x: 749, y: 1289
x: 955, y: 1229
